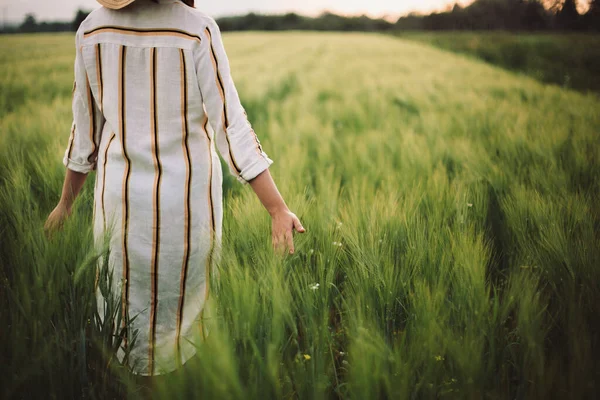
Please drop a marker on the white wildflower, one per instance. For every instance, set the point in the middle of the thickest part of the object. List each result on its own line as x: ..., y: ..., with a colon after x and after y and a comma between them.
x: 314, y: 286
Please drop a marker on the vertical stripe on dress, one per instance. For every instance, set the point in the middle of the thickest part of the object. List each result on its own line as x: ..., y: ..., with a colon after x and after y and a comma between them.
x: 256, y: 141
x: 186, y: 205
x: 99, y: 75
x: 102, y: 200
x: 104, y: 180
x: 71, y: 140
x: 125, y: 192
x: 221, y: 88
x: 219, y: 79
x: 92, y: 118
x: 156, y: 211
x: 72, y: 135
x: 97, y: 279
x: 210, y: 174
x: 208, y: 265
x: 99, y: 80
x: 96, y: 180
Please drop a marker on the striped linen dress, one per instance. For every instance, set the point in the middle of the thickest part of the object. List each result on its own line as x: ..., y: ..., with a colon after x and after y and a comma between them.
x: 153, y: 98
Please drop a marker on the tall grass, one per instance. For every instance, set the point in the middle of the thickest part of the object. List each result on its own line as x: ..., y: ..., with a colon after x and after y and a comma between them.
x: 452, y: 245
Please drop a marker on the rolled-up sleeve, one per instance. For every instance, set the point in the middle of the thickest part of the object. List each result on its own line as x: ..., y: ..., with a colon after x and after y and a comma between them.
x: 236, y: 140
x: 88, y: 121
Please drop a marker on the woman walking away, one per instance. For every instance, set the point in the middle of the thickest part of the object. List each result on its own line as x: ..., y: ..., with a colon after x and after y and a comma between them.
x: 153, y: 98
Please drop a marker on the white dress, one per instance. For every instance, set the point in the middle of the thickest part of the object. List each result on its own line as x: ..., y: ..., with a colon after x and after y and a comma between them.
x: 153, y: 94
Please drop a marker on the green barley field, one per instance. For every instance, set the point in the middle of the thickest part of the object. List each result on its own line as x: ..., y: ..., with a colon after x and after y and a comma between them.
x: 452, y: 250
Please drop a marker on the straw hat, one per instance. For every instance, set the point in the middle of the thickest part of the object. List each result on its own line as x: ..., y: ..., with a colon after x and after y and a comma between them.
x: 115, y: 4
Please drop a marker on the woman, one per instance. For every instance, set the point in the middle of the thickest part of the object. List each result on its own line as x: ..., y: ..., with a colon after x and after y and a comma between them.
x: 151, y: 80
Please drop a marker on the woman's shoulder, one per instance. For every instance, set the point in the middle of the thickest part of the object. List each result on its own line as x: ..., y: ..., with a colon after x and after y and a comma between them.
x: 182, y: 17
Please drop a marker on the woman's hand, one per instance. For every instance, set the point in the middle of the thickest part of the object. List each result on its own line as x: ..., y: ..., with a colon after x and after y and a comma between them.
x: 283, y: 220
x: 56, y: 219
x: 71, y: 188
x: 282, y: 231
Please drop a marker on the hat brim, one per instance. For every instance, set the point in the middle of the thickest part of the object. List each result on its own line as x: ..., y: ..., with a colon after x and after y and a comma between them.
x: 115, y: 4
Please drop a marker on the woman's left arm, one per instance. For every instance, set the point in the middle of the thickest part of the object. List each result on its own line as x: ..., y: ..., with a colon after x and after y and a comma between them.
x: 82, y: 148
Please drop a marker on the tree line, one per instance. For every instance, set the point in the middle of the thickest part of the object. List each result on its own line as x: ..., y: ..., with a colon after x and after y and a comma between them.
x: 31, y: 25
x: 509, y: 15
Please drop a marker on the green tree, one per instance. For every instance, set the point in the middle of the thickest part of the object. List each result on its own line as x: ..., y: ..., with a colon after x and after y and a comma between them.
x: 80, y: 16
x: 592, y: 17
x: 568, y: 16
x: 29, y: 24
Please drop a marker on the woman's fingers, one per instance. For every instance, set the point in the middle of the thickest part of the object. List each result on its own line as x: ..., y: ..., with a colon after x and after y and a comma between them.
x: 290, y: 240
x: 283, y: 242
x: 278, y: 243
x: 298, y: 226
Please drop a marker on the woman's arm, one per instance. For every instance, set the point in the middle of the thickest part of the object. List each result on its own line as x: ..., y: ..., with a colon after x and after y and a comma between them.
x: 71, y: 187
x: 82, y: 149
x: 235, y: 139
x: 283, y: 220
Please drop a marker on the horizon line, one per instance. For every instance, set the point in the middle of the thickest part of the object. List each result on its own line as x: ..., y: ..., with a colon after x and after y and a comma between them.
x: 390, y: 17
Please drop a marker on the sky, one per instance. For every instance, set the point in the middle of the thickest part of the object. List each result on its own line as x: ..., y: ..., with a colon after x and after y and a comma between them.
x: 12, y: 11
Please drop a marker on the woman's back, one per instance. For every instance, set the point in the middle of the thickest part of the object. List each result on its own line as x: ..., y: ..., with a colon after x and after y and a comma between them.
x: 149, y: 81
x: 136, y: 60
